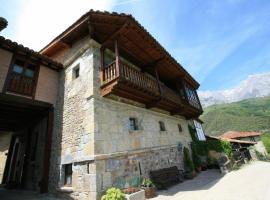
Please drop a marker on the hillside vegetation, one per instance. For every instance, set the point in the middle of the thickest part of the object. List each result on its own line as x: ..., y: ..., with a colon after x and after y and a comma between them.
x: 246, y: 115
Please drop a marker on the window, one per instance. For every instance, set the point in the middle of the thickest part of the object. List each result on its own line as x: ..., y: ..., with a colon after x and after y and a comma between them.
x: 162, y: 126
x: 180, y: 128
x: 76, y: 71
x: 68, y: 174
x: 21, y: 78
x: 199, y: 130
x: 133, y: 124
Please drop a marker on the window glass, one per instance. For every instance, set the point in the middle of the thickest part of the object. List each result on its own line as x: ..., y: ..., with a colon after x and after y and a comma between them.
x: 18, y: 69
x: 29, y: 73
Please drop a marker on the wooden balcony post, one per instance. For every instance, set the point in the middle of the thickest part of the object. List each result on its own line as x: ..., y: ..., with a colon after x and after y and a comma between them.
x: 159, y: 86
x: 117, y: 59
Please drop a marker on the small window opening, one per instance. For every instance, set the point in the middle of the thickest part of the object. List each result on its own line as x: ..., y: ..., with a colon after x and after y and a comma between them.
x: 180, y: 128
x: 76, y: 72
x: 68, y: 174
x: 162, y: 126
x: 133, y: 124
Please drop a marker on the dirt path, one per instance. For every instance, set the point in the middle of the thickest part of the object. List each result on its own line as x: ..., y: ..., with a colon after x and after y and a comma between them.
x: 252, y: 182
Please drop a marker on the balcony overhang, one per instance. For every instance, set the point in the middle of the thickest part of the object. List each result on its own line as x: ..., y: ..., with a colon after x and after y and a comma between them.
x: 135, y: 43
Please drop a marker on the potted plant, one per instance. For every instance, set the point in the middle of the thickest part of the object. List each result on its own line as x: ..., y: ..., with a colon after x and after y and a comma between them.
x: 188, y: 165
x: 149, y: 188
x: 113, y: 194
x: 133, y: 193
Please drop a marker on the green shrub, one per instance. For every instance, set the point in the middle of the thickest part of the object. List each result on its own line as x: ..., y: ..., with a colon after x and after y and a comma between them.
x: 147, y: 183
x: 266, y: 141
x: 113, y: 194
x: 195, y: 156
x: 189, y: 166
x: 192, y: 133
x: 203, y: 147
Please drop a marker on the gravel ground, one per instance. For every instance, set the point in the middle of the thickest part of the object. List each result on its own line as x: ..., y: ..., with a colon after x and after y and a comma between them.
x: 251, y: 182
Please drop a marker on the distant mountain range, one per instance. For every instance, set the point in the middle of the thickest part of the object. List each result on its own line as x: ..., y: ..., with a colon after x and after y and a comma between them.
x: 245, y: 115
x: 257, y: 85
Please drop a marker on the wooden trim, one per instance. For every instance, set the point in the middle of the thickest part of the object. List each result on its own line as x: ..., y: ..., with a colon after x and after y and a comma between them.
x: 8, y: 76
x: 35, y: 81
x: 47, y: 152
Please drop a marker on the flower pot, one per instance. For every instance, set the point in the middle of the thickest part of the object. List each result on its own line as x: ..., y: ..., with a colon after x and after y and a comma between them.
x: 150, y: 192
x: 139, y: 195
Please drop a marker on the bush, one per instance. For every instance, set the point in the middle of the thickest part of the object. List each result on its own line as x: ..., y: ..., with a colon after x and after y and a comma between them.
x: 266, y: 141
x: 202, y: 147
x: 195, y: 156
x: 189, y: 166
x: 147, y: 183
x: 113, y: 194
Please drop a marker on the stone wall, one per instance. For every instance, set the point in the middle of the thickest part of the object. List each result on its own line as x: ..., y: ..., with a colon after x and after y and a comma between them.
x: 93, y: 134
x: 5, y: 138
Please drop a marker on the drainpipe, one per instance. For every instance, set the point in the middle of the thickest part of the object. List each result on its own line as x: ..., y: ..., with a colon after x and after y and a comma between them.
x: 3, y: 23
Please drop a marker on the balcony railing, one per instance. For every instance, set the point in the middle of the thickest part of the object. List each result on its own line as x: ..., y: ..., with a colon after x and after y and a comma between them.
x: 20, y: 84
x: 134, y: 78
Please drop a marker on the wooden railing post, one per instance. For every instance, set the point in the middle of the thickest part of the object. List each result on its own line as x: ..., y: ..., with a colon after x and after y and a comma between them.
x: 117, y: 59
x: 159, y: 86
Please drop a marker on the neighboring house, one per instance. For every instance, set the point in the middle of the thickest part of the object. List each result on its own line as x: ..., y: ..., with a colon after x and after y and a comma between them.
x: 247, y: 136
x: 115, y: 108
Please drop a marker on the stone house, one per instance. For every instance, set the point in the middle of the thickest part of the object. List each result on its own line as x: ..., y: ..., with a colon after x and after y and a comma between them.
x: 106, y: 105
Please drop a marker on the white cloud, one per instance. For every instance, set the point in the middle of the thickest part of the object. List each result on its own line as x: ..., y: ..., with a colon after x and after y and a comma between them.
x: 41, y: 21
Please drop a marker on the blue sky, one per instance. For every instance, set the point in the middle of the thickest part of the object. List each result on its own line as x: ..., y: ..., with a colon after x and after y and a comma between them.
x: 219, y: 42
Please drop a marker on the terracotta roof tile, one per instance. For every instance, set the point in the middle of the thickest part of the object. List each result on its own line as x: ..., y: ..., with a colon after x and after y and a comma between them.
x: 239, y: 134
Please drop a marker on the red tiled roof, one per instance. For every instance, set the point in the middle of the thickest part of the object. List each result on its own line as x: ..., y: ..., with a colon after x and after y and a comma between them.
x: 239, y: 134
x: 230, y: 140
x: 14, y: 46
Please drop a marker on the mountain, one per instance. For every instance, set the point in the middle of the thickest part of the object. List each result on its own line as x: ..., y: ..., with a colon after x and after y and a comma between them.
x: 245, y: 115
x: 257, y: 85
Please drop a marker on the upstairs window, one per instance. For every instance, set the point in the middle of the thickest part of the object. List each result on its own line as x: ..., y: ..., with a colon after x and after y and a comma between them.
x: 68, y: 174
x: 162, y: 126
x: 76, y: 71
x: 180, y: 128
x: 22, y: 77
x: 133, y: 124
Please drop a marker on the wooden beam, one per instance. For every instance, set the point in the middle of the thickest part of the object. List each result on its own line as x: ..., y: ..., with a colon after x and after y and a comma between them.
x: 152, y: 65
x: 47, y: 152
x: 115, y: 34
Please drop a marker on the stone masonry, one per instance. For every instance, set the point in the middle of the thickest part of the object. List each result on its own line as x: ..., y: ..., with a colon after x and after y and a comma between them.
x: 93, y: 133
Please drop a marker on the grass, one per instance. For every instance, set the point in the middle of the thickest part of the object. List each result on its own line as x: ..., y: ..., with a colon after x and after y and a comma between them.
x: 246, y: 115
x: 266, y: 141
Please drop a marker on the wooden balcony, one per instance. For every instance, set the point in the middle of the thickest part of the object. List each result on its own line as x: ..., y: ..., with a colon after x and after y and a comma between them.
x: 20, y: 84
x: 131, y: 83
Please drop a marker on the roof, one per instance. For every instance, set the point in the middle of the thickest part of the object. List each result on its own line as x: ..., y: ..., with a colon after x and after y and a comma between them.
x: 239, y: 134
x: 20, y: 49
x: 230, y: 140
x: 133, y: 38
x: 3, y: 23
